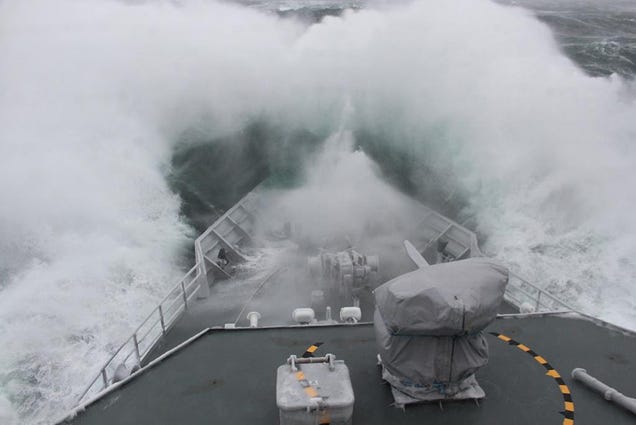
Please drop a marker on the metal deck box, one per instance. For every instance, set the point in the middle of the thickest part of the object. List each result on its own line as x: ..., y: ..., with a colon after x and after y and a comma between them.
x: 314, y: 391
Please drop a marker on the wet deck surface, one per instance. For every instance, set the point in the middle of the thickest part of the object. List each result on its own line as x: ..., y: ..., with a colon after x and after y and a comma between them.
x: 228, y: 377
x: 274, y: 296
x: 273, y: 301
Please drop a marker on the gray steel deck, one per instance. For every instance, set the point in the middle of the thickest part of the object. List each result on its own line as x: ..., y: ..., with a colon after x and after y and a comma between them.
x: 226, y: 302
x: 228, y: 377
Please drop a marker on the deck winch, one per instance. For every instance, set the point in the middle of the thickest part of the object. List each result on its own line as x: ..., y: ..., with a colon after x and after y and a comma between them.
x: 344, y: 273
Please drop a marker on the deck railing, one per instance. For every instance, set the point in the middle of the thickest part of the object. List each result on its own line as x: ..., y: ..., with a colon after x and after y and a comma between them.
x: 462, y: 243
x: 226, y: 231
x: 132, y: 353
x: 528, y: 296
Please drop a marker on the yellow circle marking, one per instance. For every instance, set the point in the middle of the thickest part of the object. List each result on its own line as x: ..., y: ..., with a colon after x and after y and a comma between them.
x: 568, y: 403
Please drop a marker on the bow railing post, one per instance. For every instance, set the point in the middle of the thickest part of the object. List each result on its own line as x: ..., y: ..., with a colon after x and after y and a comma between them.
x: 162, y: 320
x: 136, y: 343
x: 185, y: 296
x: 104, y: 377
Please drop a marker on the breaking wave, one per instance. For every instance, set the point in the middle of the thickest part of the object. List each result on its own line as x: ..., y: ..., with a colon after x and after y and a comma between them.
x: 472, y: 98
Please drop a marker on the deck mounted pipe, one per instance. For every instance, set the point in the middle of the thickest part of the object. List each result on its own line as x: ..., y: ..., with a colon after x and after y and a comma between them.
x: 608, y: 392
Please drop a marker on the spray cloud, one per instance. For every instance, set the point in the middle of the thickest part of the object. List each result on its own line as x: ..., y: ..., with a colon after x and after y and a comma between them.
x: 93, y: 100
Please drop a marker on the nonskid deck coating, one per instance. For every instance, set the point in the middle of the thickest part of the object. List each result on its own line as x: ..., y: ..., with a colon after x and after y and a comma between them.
x: 228, y: 377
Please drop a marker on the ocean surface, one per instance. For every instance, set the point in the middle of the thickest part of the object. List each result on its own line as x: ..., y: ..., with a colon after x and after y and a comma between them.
x: 126, y: 127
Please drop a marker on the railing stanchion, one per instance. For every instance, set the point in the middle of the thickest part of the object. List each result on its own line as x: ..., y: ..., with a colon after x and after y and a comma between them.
x: 105, y: 378
x: 192, y: 275
x: 185, y: 296
x: 163, y: 323
x: 137, y: 349
x: 538, y: 301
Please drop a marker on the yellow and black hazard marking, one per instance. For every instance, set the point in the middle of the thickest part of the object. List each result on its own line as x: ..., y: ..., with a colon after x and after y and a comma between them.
x: 568, y: 411
x: 302, y: 380
x: 309, y: 352
x: 323, y: 415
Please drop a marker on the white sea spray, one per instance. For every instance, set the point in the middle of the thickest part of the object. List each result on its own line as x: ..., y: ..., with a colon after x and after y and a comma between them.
x: 93, y: 95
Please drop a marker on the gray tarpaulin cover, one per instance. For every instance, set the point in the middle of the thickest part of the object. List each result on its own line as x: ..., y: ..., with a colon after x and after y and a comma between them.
x: 431, y: 359
x: 444, y: 299
x: 428, y: 327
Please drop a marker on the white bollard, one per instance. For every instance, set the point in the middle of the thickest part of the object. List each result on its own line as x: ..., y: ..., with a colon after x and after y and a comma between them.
x: 253, y: 317
x: 303, y: 315
x: 350, y: 314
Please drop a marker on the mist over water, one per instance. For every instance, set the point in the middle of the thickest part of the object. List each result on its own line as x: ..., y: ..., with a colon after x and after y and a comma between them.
x: 466, y: 104
x: 599, y: 35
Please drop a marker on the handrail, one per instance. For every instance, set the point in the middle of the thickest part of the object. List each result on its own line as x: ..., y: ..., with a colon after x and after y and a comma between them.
x: 535, y: 300
x: 199, y: 252
x: 136, y: 344
x: 162, y: 317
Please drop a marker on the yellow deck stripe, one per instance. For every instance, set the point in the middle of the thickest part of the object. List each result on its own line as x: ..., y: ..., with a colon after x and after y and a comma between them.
x: 325, y: 418
x: 553, y: 373
x: 311, y: 392
x: 569, y: 406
